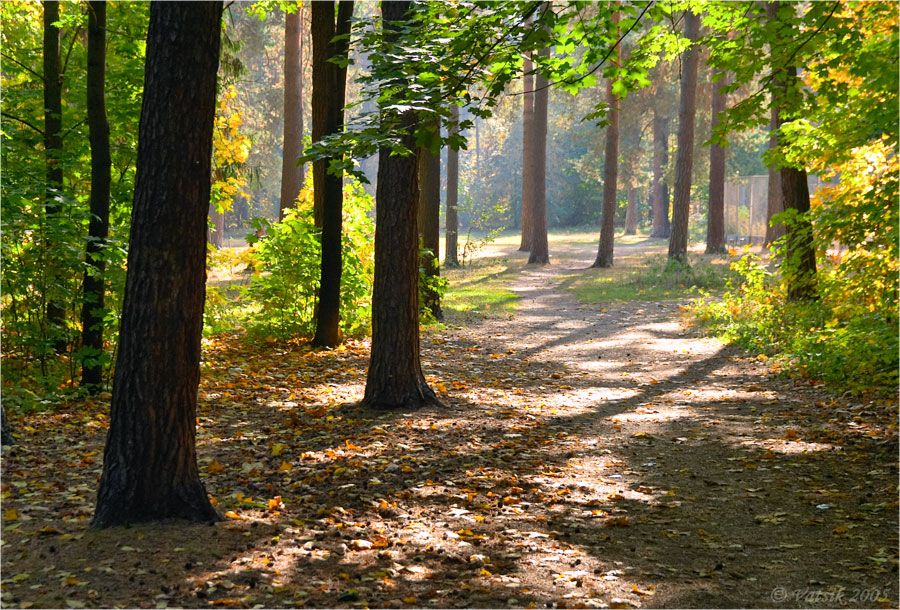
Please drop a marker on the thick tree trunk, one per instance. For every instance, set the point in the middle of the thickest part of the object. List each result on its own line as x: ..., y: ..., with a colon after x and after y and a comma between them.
x: 291, y: 173
x: 395, y: 378
x: 53, y: 158
x: 429, y: 168
x: 684, y: 159
x: 659, y: 188
x: 774, y: 199
x: 98, y: 230
x: 329, y: 89
x: 150, y: 467
x: 451, y: 257
x: 610, y: 174
x: 540, y: 248
x: 527, y: 153
x: 631, y: 212
x: 715, y: 222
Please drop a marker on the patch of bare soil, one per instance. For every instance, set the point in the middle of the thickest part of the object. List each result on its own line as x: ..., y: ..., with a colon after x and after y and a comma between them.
x: 589, y: 456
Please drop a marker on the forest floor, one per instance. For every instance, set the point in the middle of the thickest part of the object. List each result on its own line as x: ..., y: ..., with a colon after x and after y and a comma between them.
x: 589, y: 455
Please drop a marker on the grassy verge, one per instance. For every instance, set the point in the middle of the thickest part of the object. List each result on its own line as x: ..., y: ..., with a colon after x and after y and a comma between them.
x: 480, y: 289
x: 643, y: 277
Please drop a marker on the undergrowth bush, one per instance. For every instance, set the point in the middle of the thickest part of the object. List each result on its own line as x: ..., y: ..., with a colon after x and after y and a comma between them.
x: 840, y: 340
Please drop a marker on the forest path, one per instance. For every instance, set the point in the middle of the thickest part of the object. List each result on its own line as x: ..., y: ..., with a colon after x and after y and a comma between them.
x: 696, y: 475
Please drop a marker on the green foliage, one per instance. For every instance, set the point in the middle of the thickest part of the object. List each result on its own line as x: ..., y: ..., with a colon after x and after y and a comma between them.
x: 481, y: 288
x: 284, y: 271
x: 830, y: 339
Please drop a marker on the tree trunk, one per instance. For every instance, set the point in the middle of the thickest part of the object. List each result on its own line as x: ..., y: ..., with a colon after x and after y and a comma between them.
x: 659, y: 191
x: 715, y: 221
x: 395, y: 378
x: 98, y: 126
x: 217, y: 231
x: 631, y: 212
x: 527, y: 153
x: 329, y: 89
x: 451, y: 257
x: 799, y: 262
x: 684, y: 159
x: 429, y: 168
x: 6, y: 433
x: 55, y: 312
x: 150, y: 463
x: 610, y: 174
x: 291, y: 173
x: 775, y: 202
x: 540, y: 248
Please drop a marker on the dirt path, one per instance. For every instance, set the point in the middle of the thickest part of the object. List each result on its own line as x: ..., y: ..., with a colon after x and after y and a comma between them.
x: 588, y: 456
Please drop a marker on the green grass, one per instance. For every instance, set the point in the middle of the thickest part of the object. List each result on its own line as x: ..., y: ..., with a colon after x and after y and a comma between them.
x: 481, y: 288
x: 640, y: 277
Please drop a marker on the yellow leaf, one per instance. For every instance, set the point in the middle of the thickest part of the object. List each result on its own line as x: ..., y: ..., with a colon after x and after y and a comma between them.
x: 277, y: 448
x: 285, y: 466
x: 410, y: 600
x: 215, y: 467
x: 233, y: 515
x: 276, y: 503
x: 11, y: 515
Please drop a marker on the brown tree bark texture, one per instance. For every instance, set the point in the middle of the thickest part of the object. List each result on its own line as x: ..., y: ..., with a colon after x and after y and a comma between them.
x: 684, y: 158
x: 610, y: 174
x: 659, y: 193
x: 715, y: 222
x: 149, y: 468
x: 631, y: 212
x: 429, y: 168
x: 527, y: 153
x: 329, y: 89
x: 395, y: 378
x: 98, y: 229
x: 292, y: 144
x: 540, y: 248
x: 451, y: 256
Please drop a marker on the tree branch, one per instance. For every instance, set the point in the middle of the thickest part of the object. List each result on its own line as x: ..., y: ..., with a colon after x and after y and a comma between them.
x: 21, y: 65
x: 23, y: 121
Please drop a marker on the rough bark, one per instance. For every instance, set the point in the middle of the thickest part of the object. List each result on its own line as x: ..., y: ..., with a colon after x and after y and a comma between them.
x: 395, y: 379
x: 429, y: 168
x: 540, y: 248
x: 53, y: 143
x: 684, y: 159
x: 451, y: 257
x: 715, y: 221
x: 6, y: 433
x: 774, y: 199
x: 610, y: 174
x: 659, y: 191
x: 329, y: 89
x: 527, y: 153
x: 150, y: 468
x: 631, y: 212
x: 98, y: 229
x: 291, y: 173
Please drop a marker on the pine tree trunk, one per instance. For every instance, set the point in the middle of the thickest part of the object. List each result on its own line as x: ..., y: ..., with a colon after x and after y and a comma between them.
x: 451, y: 257
x: 329, y: 89
x: 150, y: 466
x: 610, y: 174
x: 660, y: 193
x: 291, y: 173
x: 631, y: 212
x: 395, y: 379
x: 540, y: 248
x: 527, y: 154
x: 684, y: 159
x: 429, y: 168
x: 98, y: 126
x: 715, y: 222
